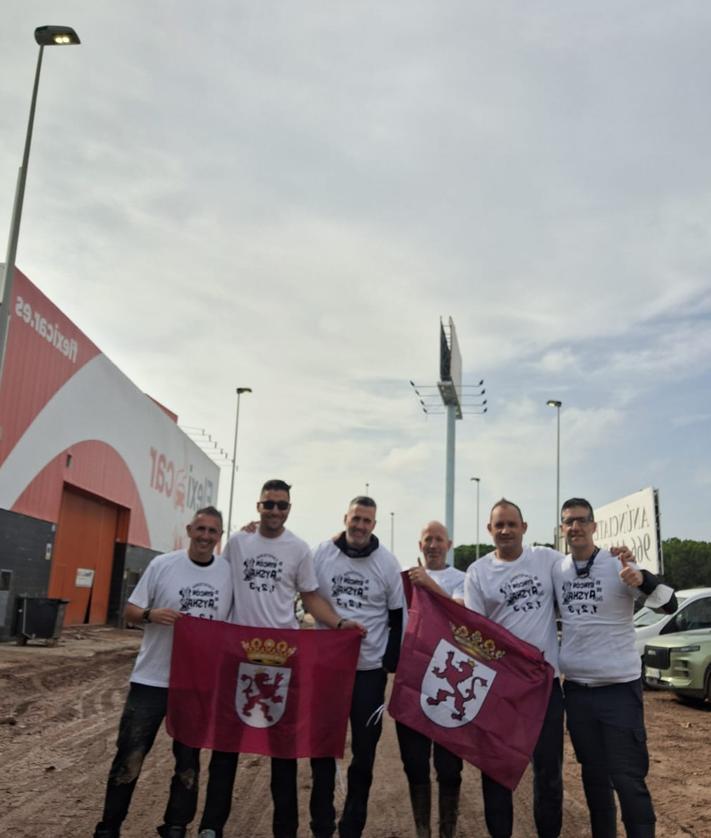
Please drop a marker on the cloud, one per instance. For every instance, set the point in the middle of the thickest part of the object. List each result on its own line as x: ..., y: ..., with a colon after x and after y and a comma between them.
x: 685, y: 419
x: 399, y: 458
x: 558, y: 360
x: 290, y: 199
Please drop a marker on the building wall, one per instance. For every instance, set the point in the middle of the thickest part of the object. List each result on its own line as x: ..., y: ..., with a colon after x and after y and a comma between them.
x: 72, y: 423
x: 24, y: 545
x: 129, y: 564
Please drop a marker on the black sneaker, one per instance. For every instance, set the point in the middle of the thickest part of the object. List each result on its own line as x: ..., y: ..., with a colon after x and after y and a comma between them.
x: 104, y: 831
x: 168, y: 831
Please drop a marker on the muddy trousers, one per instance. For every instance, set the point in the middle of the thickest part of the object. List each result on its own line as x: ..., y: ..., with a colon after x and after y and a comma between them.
x: 547, y: 780
x: 285, y: 822
x: 606, y: 726
x: 142, y: 717
x: 415, y: 752
x: 223, y: 768
x: 366, y: 727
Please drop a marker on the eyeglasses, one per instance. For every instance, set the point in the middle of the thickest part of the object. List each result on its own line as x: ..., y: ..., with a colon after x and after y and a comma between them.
x: 281, y: 505
x: 568, y: 522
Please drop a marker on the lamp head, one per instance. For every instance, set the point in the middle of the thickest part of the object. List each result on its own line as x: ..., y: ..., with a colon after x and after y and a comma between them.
x: 51, y: 36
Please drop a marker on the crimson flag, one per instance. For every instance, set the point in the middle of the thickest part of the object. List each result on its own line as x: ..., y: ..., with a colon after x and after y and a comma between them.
x: 279, y: 692
x: 471, y: 686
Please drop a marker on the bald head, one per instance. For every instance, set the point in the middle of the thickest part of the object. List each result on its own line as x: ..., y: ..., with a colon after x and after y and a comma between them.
x: 434, y: 545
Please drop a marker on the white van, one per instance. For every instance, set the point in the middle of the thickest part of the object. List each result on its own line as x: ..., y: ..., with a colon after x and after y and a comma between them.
x: 694, y: 612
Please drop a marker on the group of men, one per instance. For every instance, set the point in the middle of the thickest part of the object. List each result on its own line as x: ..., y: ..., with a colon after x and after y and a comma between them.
x: 352, y: 581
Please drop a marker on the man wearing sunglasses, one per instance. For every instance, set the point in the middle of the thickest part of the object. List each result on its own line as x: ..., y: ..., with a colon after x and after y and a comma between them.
x: 362, y: 581
x: 270, y: 566
x: 603, y: 688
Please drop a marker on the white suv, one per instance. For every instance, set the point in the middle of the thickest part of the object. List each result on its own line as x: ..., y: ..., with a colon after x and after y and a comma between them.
x: 694, y: 612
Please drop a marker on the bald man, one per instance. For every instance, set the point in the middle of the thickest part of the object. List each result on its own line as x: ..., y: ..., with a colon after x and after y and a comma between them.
x: 415, y: 749
x: 436, y: 574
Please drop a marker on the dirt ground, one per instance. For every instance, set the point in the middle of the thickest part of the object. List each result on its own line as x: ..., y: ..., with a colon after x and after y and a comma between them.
x: 59, y: 709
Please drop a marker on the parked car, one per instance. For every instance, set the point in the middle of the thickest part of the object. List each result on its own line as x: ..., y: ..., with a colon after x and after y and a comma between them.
x: 680, y: 662
x: 694, y: 612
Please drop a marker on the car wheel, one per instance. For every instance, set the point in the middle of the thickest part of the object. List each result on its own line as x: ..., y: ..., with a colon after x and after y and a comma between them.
x: 707, y: 689
x: 689, y: 700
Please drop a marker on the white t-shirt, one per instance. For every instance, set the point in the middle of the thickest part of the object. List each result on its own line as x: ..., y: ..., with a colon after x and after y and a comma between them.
x: 518, y: 595
x: 267, y: 574
x: 596, y: 611
x: 450, y: 580
x: 362, y: 589
x: 172, y: 580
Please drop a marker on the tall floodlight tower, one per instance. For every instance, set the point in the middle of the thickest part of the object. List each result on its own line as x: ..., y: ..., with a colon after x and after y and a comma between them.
x: 455, y: 400
x: 450, y: 387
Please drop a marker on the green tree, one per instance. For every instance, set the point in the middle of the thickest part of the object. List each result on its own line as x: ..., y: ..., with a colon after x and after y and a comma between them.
x: 687, y: 563
x: 465, y: 554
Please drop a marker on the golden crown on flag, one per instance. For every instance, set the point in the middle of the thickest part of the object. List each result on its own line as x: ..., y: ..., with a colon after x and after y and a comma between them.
x: 475, y: 644
x: 268, y: 651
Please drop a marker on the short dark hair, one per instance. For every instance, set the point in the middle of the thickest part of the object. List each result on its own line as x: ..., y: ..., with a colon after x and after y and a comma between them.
x: 504, y: 502
x: 276, y: 486
x: 209, y: 510
x: 363, y: 500
x: 571, y: 502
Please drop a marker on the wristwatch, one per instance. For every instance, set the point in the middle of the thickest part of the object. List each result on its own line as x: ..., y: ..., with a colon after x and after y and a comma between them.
x: 146, y: 618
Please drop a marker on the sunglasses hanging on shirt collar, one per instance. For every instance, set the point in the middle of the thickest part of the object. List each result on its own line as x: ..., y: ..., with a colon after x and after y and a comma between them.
x: 582, y: 572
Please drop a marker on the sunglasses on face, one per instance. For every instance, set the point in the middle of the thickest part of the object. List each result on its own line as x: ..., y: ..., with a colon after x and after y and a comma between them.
x: 281, y: 505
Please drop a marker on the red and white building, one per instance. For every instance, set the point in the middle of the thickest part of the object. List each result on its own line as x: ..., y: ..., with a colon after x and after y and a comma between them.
x: 95, y: 476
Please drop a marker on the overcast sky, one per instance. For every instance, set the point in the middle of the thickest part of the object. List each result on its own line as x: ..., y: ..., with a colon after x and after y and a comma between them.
x: 288, y: 196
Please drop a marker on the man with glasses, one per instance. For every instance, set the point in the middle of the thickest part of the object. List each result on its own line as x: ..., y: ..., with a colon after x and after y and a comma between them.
x: 270, y: 566
x: 603, y: 688
x: 190, y: 582
x: 513, y: 586
x: 361, y: 578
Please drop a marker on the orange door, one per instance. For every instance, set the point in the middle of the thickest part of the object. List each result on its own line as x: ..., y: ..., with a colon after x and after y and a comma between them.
x: 86, y: 534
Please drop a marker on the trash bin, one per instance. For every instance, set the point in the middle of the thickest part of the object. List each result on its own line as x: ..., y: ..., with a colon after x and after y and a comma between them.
x: 39, y: 617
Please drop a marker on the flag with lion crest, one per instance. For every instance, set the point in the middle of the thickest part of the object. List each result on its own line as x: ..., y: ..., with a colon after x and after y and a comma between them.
x: 471, y: 686
x: 280, y: 692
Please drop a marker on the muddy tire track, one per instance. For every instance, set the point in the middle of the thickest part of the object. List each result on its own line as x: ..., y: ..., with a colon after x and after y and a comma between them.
x: 54, y: 759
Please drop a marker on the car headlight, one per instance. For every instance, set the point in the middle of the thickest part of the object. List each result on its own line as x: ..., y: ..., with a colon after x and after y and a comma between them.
x: 684, y: 649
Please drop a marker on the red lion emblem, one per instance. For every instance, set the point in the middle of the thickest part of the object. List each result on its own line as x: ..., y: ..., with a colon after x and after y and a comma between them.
x: 261, y: 692
x: 454, y: 676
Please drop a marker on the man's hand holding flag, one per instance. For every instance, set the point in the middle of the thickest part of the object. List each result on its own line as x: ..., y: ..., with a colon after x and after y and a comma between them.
x: 470, y: 685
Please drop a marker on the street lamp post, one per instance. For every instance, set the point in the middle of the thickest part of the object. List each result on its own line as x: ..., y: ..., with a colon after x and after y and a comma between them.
x: 392, y: 532
x: 556, y: 531
x: 477, y: 514
x: 240, y: 390
x: 45, y: 36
